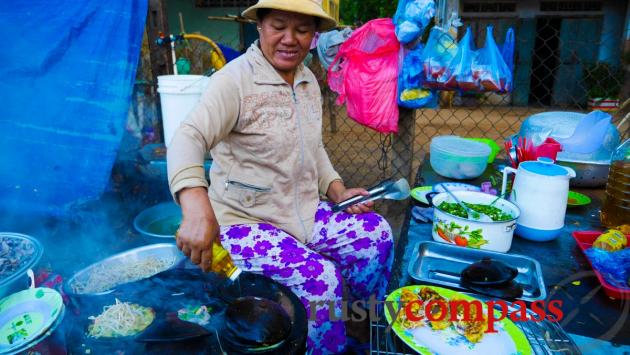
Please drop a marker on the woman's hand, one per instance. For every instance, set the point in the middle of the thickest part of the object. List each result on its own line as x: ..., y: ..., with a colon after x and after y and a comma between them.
x: 337, y: 192
x: 358, y: 208
x: 199, y: 227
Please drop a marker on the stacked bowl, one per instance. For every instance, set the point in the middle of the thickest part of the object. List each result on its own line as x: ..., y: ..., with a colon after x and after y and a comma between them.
x: 458, y: 158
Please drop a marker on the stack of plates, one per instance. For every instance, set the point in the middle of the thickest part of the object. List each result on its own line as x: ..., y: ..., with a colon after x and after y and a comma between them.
x: 28, y: 317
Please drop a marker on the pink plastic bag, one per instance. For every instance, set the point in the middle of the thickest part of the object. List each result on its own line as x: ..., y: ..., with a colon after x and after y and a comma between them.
x: 365, y: 74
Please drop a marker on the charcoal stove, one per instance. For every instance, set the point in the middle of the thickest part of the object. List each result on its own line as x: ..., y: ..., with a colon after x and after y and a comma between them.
x: 171, y: 290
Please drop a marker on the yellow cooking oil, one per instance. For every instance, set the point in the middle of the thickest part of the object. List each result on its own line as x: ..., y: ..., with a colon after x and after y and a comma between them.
x: 616, y: 207
x: 222, y: 262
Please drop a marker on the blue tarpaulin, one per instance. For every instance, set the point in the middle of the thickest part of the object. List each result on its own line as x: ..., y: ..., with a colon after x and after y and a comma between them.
x: 229, y: 53
x: 67, y: 70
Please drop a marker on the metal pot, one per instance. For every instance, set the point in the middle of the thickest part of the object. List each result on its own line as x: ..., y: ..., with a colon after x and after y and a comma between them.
x: 159, y: 223
x: 587, y: 173
x: 448, y: 228
x: 18, y: 280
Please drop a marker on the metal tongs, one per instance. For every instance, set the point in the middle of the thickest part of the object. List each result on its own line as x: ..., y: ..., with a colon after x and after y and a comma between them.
x: 387, y: 189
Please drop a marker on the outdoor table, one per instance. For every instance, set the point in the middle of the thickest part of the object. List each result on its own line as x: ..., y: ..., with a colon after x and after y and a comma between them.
x: 596, y: 322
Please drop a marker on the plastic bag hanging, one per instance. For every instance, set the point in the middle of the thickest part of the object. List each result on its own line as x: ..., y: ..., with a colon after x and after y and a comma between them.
x: 490, y: 69
x: 440, y: 49
x: 329, y: 43
x: 507, y: 50
x: 411, y: 17
x: 411, y: 94
x: 365, y: 74
x: 460, y: 68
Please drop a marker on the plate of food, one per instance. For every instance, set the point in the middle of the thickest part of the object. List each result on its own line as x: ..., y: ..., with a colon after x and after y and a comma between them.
x: 18, y: 253
x: 446, y: 336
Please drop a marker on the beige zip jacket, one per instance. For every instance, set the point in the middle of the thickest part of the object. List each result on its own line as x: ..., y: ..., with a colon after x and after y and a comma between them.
x: 265, y: 138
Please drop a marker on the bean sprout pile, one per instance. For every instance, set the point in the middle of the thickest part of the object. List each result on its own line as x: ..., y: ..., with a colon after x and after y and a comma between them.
x: 120, y: 320
x: 106, y: 277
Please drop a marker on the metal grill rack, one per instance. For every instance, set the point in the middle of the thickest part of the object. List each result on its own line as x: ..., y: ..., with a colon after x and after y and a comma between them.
x: 544, y: 337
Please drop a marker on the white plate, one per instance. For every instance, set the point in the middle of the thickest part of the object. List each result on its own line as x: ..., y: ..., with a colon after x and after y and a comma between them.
x: 455, y: 186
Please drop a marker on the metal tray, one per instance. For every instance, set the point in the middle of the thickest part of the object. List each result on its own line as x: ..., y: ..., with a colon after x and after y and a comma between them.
x: 164, y: 251
x: 441, y: 264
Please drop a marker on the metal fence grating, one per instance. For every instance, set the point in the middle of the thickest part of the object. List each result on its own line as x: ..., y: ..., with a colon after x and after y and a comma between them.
x: 559, y: 62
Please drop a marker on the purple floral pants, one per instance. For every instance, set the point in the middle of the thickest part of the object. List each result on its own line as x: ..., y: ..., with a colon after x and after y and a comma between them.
x: 355, y: 248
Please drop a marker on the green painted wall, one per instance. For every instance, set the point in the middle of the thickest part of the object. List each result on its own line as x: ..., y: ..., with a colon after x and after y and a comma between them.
x: 578, y: 47
x: 196, y: 20
x: 525, y: 34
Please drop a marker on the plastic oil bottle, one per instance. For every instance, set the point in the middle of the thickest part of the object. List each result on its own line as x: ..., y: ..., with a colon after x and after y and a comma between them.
x: 616, y: 207
x: 222, y: 262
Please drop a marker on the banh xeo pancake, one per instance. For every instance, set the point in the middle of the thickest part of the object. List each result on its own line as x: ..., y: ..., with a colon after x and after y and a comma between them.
x: 121, y: 320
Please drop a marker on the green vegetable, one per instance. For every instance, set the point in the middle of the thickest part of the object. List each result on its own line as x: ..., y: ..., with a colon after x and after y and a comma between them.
x: 496, y: 214
x: 195, y: 314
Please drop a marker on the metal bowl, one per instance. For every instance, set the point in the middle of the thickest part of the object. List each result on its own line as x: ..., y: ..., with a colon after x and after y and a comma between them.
x: 159, y: 223
x: 587, y: 173
x: 18, y: 280
x: 129, y: 257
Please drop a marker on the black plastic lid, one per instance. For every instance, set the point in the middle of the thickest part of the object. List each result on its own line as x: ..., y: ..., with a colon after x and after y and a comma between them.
x: 488, y: 272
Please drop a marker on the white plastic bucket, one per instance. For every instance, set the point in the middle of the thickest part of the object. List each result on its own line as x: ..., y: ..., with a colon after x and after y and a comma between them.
x: 178, y: 96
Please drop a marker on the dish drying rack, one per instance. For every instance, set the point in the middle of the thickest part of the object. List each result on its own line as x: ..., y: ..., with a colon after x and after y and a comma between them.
x: 544, y: 337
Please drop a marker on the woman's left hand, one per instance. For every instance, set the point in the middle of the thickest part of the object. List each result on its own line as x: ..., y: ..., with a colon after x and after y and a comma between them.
x: 359, y: 207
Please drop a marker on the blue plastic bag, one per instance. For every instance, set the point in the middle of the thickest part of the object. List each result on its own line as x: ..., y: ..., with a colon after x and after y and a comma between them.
x: 439, y: 51
x: 460, y: 69
x: 411, y: 17
x: 507, y: 50
x: 411, y: 93
x: 329, y: 43
x: 614, y: 266
x: 407, y: 32
x: 489, y: 69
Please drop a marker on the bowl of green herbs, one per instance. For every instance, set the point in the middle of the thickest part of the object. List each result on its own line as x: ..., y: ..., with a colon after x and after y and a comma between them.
x: 451, y: 222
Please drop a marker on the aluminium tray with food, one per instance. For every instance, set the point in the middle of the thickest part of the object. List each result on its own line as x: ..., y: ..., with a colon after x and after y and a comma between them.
x: 129, y: 266
x: 441, y: 264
